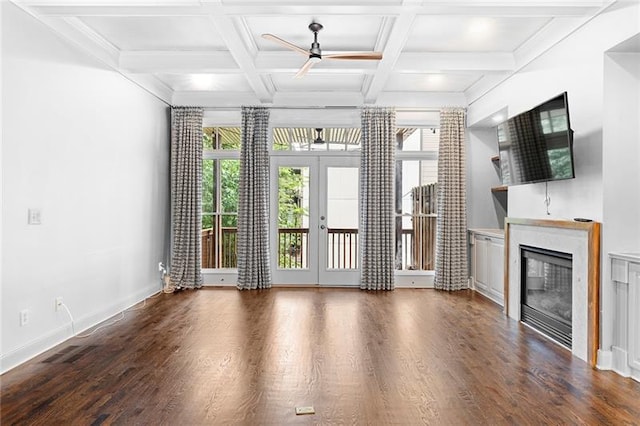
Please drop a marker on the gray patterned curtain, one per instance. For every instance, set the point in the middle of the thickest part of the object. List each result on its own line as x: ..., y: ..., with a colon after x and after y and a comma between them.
x: 451, y: 240
x: 377, y: 177
x: 186, y: 196
x: 253, y: 202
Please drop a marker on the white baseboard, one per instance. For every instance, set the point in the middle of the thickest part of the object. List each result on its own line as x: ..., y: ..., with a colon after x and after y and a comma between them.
x: 61, y: 334
x: 35, y: 347
x: 604, y: 360
x: 401, y: 281
x: 406, y: 279
x: 620, y: 361
x: 229, y: 285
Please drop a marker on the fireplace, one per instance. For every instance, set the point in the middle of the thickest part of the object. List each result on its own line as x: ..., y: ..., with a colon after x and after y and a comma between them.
x: 582, y: 241
x: 546, y: 294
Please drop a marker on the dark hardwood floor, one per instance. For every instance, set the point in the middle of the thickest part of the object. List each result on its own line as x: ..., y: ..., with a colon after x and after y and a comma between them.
x: 222, y: 356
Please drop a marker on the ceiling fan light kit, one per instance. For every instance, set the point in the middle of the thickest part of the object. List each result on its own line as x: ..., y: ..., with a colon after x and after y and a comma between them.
x: 314, y: 54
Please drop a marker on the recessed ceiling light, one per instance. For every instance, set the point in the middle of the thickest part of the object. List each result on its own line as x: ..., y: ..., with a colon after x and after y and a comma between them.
x: 480, y: 26
x: 498, y: 118
x: 203, y: 81
x: 434, y: 79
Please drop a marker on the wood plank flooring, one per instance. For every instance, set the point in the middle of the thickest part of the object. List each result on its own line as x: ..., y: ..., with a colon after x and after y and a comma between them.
x: 222, y: 356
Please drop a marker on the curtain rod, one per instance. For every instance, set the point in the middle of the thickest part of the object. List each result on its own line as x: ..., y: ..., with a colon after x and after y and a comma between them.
x: 325, y: 108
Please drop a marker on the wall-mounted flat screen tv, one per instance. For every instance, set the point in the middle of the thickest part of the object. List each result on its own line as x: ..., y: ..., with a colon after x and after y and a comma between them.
x: 537, y: 145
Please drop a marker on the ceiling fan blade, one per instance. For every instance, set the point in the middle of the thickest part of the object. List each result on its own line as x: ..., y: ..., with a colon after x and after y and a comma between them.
x: 376, y: 56
x: 285, y: 43
x: 303, y: 70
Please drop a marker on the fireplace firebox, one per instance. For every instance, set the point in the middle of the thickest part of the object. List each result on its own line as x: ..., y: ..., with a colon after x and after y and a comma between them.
x: 546, y: 295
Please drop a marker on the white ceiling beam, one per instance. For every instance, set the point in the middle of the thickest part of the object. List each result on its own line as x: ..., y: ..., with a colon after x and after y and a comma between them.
x: 317, y: 98
x: 548, y: 36
x: 452, y: 7
x: 434, y: 62
x: 214, y: 99
x: 178, y: 62
x: 290, y: 62
x: 433, y: 100
x: 238, y: 49
x: 485, y: 84
x: 221, y: 62
x: 393, y: 47
x: 325, y: 100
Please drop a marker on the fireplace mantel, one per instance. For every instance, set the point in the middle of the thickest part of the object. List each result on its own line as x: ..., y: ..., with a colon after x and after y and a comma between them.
x: 582, y: 240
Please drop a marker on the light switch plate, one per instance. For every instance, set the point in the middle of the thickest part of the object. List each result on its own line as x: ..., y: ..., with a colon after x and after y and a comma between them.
x: 305, y: 410
x: 35, y: 217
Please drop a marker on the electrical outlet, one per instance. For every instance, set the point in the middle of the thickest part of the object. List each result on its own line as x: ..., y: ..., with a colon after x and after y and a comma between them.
x: 305, y: 410
x: 160, y: 267
x: 24, y: 317
x: 59, y: 303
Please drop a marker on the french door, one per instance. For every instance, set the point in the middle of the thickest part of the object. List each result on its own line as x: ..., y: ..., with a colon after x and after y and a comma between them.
x: 314, y: 220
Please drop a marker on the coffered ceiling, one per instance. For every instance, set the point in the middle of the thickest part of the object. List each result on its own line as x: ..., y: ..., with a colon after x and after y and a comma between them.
x: 211, y: 53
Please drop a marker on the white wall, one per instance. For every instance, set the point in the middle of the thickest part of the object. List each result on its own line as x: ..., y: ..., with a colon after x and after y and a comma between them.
x: 621, y: 171
x: 89, y: 149
x: 577, y: 65
x: 483, y: 208
x: 574, y: 65
x: 621, y: 155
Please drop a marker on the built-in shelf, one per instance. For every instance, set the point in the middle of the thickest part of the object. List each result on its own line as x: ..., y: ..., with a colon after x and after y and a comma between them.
x: 500, y: 192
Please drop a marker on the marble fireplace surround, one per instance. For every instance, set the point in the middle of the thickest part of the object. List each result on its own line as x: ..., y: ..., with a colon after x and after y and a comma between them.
x: 582, y: 241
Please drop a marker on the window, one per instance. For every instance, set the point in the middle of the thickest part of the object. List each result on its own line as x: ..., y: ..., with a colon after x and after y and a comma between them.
x: 220, y: 179
x: 416, y: 186
x: 302, y: 139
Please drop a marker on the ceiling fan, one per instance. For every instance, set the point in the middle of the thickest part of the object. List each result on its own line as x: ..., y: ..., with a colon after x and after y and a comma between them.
x: 318, y: 140
x: 315, y: 53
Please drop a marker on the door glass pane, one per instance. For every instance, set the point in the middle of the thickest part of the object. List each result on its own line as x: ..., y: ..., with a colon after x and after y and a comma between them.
x: 293, y: 217
x: 342, y: 217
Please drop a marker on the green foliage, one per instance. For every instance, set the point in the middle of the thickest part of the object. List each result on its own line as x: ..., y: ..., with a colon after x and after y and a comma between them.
x: 226, y: 138
x: 208, y: 136
x: 208, y: 192
x: 229, y: 181
x: 290, y: 211
x: 291, y: 183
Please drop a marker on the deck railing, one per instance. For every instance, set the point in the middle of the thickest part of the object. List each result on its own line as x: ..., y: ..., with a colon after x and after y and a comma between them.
x: 342, y: 248
x: 293, y: 246
x: 219, y: 249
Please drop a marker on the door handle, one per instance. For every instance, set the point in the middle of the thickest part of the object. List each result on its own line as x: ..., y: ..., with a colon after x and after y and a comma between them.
x: 322, y: 227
